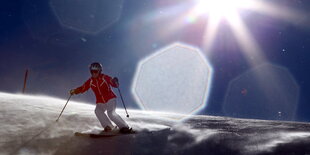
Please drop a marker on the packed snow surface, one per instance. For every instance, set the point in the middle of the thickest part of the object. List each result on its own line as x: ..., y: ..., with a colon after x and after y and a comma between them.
x: 28, y: 126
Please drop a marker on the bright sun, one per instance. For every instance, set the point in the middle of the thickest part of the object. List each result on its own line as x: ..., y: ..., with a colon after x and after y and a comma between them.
x: 219, y: 8
x: 232, y: 12
x: 216, y: 11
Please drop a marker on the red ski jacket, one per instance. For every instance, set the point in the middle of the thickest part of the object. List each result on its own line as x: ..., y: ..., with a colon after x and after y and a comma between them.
x: 101, y: 86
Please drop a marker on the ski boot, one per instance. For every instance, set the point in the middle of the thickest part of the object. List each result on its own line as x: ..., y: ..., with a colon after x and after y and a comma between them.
x: 125, y: 130
x: 107, y: 129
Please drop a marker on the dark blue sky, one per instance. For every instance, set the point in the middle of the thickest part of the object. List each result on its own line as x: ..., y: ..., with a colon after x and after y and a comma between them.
x: 58, y: 58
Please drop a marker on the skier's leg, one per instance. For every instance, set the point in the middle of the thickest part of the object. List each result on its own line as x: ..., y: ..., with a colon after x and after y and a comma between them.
x: 102, y: 117
x: 111, y: 106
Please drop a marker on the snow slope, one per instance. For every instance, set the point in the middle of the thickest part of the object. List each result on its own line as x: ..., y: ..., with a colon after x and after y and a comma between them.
x: 28, y: 127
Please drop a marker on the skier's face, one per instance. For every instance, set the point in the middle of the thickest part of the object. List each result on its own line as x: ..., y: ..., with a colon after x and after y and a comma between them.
x: 94, y: 73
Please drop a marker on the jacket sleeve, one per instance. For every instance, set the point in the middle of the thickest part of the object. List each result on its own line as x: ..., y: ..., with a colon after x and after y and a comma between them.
x: 84, y: 87
x: 109, y: 80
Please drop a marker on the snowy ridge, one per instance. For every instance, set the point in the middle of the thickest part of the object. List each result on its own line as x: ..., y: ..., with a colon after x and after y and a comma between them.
x: 28, y: 127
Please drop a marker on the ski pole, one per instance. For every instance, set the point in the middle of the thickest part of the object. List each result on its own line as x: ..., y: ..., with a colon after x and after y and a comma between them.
x: 122, y: 101
x: 63, y: 108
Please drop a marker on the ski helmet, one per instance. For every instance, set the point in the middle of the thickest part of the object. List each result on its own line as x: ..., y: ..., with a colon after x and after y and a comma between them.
x: 95, y: 66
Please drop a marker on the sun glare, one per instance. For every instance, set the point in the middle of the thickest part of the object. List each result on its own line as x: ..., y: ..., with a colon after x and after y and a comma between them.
x: 219, y: 8
x: 213, y: 8
x: 232, y: 12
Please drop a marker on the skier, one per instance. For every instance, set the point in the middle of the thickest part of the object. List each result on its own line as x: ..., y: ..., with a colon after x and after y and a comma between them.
x: 105, y: 98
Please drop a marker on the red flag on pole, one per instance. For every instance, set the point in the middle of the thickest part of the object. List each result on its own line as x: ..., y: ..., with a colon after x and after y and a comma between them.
x: 25, y: 80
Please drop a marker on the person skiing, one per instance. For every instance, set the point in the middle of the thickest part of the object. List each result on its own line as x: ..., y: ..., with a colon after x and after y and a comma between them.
x: 105, y: 98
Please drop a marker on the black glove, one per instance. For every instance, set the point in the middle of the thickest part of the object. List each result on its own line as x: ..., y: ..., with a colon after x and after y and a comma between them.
x: 72, y: 92
x: 115, y: 81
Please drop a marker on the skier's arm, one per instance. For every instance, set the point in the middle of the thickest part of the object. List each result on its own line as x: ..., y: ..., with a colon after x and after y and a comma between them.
x: 82, y: 88
x: 112, y: 81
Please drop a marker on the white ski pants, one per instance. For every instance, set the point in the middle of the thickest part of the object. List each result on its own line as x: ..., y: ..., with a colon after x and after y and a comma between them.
x: 110, y: 107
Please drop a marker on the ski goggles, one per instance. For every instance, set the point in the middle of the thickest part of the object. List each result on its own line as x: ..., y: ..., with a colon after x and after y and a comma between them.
x: 94, y: 71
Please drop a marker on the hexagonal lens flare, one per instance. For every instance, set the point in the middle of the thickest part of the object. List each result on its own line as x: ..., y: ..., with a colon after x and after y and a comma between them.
x: 265, y: 92
x: 175, y: 79
x: 88, y: 16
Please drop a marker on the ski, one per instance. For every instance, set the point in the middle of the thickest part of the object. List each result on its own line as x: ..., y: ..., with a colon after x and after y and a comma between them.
x: 103, y: 134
